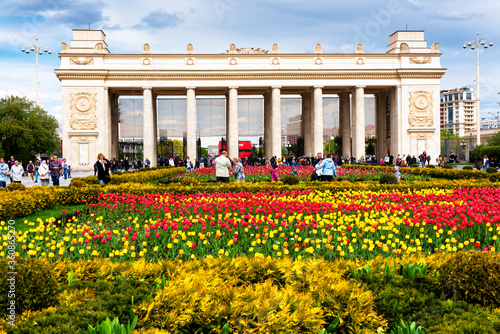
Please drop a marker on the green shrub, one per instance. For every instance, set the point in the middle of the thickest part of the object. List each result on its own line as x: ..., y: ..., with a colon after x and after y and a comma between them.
x: 491, y: 170
x: 16, y: 186
x: 402, y: 327
x: 447, y: 166
x: 415, y: 165
x: 388, y: 178
x: 35, y: 285
x: 495, y: 177
x: 78, y: 183
x: 430, y: 166
x: 290, y: 180
x: 117, y: 172
x: 473, y: 277
x: 457, y: 317
x: 190, y: 181
x: 467, y: 168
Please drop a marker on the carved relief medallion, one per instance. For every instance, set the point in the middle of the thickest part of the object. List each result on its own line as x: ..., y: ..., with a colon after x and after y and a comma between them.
x: 417, y: 60
x: 421, y: 114
x: 83, y: 111
x: 81, y: 61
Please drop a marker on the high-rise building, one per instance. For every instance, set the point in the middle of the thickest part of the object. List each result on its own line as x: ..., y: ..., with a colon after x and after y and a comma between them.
x: 458, y: 110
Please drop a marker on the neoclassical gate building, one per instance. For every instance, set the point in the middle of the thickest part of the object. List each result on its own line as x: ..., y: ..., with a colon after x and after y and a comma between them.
x: 405, y: 82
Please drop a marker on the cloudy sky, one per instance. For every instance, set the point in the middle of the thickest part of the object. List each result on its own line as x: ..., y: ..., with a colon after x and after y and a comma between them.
x: 211, y: 25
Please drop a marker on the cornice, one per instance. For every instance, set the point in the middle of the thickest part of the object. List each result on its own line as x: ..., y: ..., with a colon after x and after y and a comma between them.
x: 249, y: 75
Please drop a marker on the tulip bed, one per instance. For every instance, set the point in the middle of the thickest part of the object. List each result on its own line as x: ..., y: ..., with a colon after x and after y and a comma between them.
x: 263, y: 173
x: 297, y: 224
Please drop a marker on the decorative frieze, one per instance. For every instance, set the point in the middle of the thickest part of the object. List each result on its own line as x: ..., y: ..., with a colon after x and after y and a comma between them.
x: 421, y: 114
x: 83, y: 111
x: 81, y: 61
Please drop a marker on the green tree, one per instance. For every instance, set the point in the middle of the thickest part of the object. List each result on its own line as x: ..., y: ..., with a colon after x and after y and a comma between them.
x: 26, y: 129
x: 494, y: 140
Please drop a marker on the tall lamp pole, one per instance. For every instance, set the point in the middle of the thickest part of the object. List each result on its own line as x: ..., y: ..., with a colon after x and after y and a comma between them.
x: 476, y: 44
x: 38, y: 51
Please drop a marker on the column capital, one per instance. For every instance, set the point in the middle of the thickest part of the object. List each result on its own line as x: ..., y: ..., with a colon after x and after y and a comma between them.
x: 190, y: 87
x: 233, y: 87
x: 360, y: 86
x: 147, y: 88
x: 276, y: 87
x: 316, y: 87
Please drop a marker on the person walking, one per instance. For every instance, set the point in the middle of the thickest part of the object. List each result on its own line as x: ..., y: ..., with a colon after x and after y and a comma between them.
x: 55, y: 167
x: 222, y: 166
x: 17, y: 172
x: 328, y: 168
x: 37, y: 166
x: 125, y: 164
x: 4, y: 173
x: 238, y: 171
x: 44, y: 172
x: 102, y: 169
x: 147, y: 163
x: 30, y: 169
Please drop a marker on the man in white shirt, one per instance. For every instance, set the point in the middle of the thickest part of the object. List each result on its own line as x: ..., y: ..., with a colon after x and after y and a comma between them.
x: 222, y: 165
x: 17, y: 172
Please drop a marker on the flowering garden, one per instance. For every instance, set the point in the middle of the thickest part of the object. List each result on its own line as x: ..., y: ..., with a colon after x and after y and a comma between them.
x: 156, y: 252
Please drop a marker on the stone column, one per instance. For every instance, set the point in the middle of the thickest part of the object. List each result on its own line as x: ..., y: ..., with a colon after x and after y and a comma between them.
x: 232, y: 122
x: 267, y: 125
x: 379, y: 118
x: 395, y: 117
x: 114, y: 126
x: 345, y: 123
x: 307, y: 130
x: 149, y: 129
x: 106, y: 149
x: 318, y: 119
x: 276, y: 122
x: 358, y: 116
x: 191, y: 122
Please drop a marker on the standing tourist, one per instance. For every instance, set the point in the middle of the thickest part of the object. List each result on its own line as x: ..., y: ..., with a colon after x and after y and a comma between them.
x: 274, y: 173
x: 125, y: 164
x: 55, y: 167
x: 147, y: 163
x: 222, y: 165
x: 17, y: 172
x: 37, y: 166
x: 65, y: 168
x: 44, y: 173
x: 238, y: 171
x: 4, y: 173
x: 10, y: 163
x: 30, y: 169
x: 102, y: 169
x: 486, y: 162
x: 328, y: 168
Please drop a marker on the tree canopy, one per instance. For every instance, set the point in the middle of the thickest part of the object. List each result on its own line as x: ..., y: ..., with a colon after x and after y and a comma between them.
x: 494, y: 140
x: 25, y: 128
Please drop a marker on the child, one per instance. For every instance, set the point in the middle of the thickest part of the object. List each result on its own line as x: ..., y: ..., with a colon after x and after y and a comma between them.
x: 274, y: 173
x: 294, y: 172
x: 397, y: 173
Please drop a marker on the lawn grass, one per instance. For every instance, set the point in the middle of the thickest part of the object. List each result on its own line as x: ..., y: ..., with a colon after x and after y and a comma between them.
x: 55, y: 211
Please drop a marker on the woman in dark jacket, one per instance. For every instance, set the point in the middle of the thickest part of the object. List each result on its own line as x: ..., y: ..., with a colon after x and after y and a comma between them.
x: 102, y: 169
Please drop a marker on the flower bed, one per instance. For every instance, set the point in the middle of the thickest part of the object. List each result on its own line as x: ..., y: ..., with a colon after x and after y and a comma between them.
x: 263, y: 173
x: 297, y: 224
x: 251, y: 295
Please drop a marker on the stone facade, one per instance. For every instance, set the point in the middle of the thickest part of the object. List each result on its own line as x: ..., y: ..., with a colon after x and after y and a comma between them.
x: 405, y: 82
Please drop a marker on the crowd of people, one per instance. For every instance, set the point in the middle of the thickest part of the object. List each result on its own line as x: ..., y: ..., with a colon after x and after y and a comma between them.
x: 325, y: 167
x: 44, y: 170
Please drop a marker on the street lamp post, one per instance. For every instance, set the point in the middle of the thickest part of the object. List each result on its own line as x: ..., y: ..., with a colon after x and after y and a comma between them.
x: 475, y: 44
x: 38, y: 51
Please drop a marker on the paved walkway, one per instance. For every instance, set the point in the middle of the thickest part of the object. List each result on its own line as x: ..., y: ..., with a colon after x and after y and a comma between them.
x: 62, y: 181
